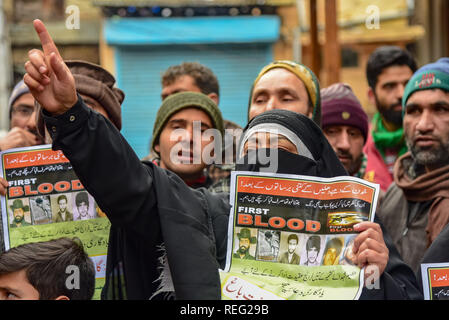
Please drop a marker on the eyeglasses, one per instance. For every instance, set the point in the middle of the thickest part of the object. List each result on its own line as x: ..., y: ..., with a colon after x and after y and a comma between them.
x: 22, y: 111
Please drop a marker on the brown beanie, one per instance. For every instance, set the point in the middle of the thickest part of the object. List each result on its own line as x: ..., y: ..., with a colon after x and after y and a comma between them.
x: 93, y: 81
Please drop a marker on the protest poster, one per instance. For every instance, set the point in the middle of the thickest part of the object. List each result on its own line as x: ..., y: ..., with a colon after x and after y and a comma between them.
x: 435, y: 278
x: 290, y: 237
x: 45, y: 200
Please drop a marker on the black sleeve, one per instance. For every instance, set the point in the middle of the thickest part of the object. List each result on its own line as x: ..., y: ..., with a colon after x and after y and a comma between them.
x: 105, y: 164
x: 219, y: 211
x: 398, y: 282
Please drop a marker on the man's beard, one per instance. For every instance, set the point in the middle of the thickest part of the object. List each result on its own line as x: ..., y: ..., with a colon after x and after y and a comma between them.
x: 354, y: 166
x: 434, y: 157
x: 389, y: 114
x: 18, y: 219
x: 243, y: 250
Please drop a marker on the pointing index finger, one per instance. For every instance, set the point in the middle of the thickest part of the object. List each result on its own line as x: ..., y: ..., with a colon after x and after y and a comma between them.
x: 47, y: 42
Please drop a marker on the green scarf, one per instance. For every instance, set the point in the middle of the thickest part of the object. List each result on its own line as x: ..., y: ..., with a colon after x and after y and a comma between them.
x: 385, y: 139
x: 361, y: 173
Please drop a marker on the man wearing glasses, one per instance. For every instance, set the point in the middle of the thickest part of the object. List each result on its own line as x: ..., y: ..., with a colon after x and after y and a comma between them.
x: 22, y: 120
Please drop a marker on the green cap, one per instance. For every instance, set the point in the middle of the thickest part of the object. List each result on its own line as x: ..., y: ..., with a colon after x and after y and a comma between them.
x: 182, y: 100
x: 246, y: 234
x: 18, y: 204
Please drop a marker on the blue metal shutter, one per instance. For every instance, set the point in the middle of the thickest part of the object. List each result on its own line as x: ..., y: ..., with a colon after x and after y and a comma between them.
x: 139, y: 69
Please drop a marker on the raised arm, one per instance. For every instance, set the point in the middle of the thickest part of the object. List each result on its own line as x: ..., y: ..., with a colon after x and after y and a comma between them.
x: 102, y: 159
x: 48, y: 78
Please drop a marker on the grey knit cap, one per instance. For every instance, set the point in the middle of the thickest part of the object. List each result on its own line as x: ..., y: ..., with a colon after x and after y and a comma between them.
x: 19, y: 89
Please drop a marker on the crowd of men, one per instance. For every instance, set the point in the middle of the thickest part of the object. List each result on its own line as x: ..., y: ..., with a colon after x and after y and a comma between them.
x: 169, y: 219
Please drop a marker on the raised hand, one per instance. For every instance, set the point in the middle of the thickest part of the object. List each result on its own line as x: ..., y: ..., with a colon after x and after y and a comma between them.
x: 48, y: 78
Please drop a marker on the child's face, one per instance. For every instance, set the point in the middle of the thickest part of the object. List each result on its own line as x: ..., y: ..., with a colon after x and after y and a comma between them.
x: 15, y: 286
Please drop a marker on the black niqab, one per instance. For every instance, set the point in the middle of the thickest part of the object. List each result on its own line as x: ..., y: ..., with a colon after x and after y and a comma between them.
x: 325, y: 163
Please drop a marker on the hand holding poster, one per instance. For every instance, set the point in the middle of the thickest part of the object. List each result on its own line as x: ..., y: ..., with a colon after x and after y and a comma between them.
x: 291, y: 237
x: 45, y: 200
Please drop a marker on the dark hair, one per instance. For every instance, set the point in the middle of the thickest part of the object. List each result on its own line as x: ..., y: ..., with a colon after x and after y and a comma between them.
x: 62, y: 196
x: 81, y: 197
x: 313, y: 242
x: 46, y: 267
x: 294, y: 237
x: 384, y: 57
x: 204, y: 78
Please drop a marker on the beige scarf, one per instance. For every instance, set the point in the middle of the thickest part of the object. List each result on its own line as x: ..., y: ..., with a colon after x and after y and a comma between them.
x: 433, y: 186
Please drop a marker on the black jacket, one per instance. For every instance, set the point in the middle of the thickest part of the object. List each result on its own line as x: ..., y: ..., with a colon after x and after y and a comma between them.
x: 148, y: 206
x: 144, y: 216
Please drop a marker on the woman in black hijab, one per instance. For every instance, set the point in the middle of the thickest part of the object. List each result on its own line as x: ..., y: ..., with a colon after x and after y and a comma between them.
x: 314, y: 155
x: 298, y: 146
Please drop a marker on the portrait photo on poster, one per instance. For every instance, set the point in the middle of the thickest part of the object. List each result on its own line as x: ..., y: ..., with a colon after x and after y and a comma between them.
x: 312, y: 250
x: 19, y: 212
x: 290, y: 246
x: 245, y: 243
x: 61, y: 207
x: 83, y: 205
x: 41, y: 209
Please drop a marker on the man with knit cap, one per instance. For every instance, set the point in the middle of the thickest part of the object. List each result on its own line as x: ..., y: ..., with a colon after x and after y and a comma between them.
x: 414, y: 209
x: 177, y: 135
x: 286, y: 85
x: 22, y: 120
x: 388, y: 70
x: 345, y: 125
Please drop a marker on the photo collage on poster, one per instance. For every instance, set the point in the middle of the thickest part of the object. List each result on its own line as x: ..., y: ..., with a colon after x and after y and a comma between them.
x: 293, y: 248
x: 54, y: 208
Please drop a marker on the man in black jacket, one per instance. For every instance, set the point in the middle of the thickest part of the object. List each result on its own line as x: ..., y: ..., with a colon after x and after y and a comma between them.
x: 166, y: 238
x: 177, y: 139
